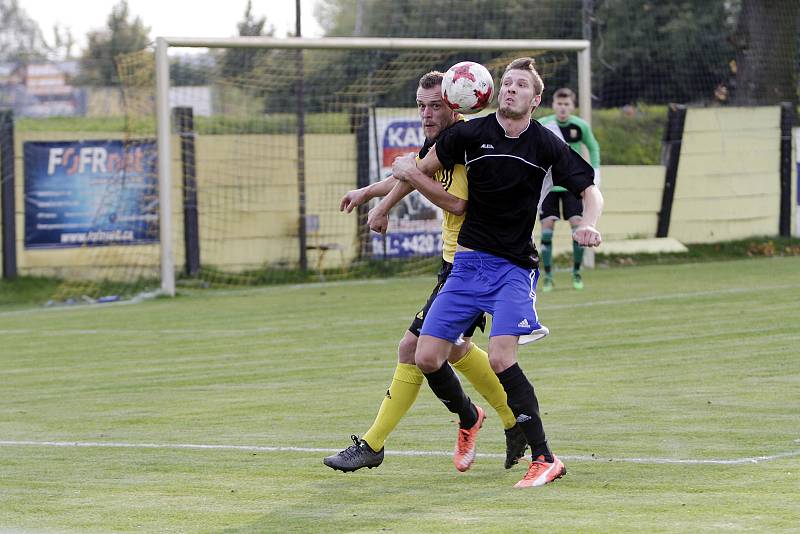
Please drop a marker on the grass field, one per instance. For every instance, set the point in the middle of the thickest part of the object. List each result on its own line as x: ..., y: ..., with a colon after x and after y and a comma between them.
x: 671, y: 392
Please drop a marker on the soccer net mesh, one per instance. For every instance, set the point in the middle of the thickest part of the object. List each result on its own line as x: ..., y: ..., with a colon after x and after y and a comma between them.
x: 276, y: 138
x: 264, y: 145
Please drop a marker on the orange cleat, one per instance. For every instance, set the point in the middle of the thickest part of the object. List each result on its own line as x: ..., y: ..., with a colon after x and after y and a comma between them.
x: 465, y: 445
x: 541, y: 472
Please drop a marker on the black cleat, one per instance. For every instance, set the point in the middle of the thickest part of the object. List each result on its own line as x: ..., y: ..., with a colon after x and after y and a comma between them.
x: 355, y: 457
x: 516, y: 443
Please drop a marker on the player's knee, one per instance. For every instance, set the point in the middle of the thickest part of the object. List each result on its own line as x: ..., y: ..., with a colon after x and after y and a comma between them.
x: 428, y: 358
x: 459, y: 351
x: 406, y: 348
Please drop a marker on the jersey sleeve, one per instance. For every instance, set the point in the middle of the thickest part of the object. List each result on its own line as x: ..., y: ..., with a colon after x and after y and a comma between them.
x: 425, y: 149
x: 450, y: 146
x: 588, y: 139
x: 570, y: 170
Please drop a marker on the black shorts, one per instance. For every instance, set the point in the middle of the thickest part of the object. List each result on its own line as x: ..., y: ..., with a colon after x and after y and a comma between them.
x: 416, y: 324
x: 573, y: 206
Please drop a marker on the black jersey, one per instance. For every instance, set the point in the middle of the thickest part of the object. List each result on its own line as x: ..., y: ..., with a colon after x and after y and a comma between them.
x: 506, y: 177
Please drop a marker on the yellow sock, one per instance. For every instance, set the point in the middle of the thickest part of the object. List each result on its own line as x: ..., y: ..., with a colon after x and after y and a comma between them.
x: 399, y: 398
x: 475, y: 367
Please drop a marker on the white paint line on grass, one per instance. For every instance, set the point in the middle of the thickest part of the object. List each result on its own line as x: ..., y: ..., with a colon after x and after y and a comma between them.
x: 545, y: 308
x: 669, y: 296
x: 256, y: 448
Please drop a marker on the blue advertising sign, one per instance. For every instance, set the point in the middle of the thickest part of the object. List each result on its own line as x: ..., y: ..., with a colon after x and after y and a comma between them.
x: 90, y: 193
x: 401, y: 245
x: 415, y: 225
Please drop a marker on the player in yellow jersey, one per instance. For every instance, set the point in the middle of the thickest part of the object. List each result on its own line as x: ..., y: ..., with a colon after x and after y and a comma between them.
x: 449, y: 192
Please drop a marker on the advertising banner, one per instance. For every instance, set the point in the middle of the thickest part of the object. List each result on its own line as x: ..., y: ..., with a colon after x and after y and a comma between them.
x: 414, y: 224
x: 90, y: 193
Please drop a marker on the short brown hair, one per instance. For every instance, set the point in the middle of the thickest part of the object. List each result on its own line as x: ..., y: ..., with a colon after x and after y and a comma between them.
x: 431, y: 79
x: 529, y: 64
x: 565, y: 92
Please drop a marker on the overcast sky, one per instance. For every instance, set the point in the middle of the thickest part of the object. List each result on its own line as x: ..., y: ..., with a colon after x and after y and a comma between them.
x: 169, y: 18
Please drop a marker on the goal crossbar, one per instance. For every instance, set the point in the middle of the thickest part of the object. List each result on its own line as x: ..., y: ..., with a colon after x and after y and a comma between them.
x: 163, y: 130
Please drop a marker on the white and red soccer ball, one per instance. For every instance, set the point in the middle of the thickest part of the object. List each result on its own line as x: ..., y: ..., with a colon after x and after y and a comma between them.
x: 467, y: 87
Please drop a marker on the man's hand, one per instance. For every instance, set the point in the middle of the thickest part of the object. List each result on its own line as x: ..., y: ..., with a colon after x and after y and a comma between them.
x: 353, y: 199
x: 378, y: 220
x: 587, y: 236
x: 403, y: 165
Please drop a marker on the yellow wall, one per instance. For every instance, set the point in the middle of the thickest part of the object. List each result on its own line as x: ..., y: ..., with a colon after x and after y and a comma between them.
x: 632, y: 196
x: 727, y: 188
x: 247, y: 201
x: 728, y: 177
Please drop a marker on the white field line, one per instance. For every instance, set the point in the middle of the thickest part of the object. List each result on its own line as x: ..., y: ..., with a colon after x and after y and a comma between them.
x: 545, y: 308
x: 256, y: 448
x: 670, y: 296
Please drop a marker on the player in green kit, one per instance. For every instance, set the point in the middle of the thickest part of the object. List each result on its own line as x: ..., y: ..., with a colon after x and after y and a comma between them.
x: 575, y: 131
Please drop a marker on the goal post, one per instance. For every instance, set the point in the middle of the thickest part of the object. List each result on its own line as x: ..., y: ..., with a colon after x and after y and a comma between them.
x: 164, y: 114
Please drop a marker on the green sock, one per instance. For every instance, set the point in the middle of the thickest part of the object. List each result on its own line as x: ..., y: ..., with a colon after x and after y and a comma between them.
x: 577, y: 256
x: 547, y: 250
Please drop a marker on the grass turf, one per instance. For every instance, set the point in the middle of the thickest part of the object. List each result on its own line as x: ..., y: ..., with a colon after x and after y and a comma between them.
x: 648, y: 365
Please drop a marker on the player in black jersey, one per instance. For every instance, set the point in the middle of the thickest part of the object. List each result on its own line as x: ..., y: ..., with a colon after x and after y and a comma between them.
x: 449, y: 192
x: 508, y: 157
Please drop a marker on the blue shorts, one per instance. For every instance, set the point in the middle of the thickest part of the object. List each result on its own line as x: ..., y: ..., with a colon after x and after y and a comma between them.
x: 482, y: 282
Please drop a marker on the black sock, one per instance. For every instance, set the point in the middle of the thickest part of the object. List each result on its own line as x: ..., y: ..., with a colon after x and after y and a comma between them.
x: 447, y: 388
x: 522, y: 401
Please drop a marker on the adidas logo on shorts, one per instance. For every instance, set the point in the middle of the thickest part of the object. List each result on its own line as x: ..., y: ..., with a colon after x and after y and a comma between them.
x: 524, y: 324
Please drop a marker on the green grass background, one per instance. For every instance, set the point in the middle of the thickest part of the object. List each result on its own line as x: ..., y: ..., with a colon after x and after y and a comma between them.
x: 682, y: 362
x: 613, y: 128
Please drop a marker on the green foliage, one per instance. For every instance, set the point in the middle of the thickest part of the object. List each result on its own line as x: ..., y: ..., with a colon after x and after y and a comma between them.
x: 20, y: 36
x: 274, y: 123
x: 660, y: 52
x: 183, y: 73
x: 630, y: 136
x: 615, y: 129
x: 122, y: 36
x: 466, y: 19
x: 26, y: 291
x: 241, y: 61
x: 627, y: 136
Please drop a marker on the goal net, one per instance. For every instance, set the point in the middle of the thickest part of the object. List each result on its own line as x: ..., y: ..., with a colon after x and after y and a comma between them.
x: 260, y: 138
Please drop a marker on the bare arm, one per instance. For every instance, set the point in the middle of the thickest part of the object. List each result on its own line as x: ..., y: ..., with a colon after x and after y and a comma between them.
x: 378, y: 218
x: 360, y: 196
x: 405, y: 169
x: 586, y: 234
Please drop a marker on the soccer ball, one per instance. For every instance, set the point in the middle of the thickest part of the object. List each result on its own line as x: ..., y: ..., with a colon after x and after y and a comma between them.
x: 467, y: 87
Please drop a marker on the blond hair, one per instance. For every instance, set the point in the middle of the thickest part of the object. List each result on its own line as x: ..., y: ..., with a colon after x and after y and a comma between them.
x: 528, y: 64
x: 431, y: 79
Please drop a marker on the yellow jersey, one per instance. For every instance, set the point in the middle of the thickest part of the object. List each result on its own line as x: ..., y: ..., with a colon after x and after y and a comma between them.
x: 454, y: 182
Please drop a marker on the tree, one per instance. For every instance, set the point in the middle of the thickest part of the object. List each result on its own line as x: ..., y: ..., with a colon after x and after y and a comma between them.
x: 121, y: 36
x: 660, y: 52
x: 767, y: 52
x: 20, y: 36
x: 63, y: 41
x: 240, y: 61
x: 190, y: 70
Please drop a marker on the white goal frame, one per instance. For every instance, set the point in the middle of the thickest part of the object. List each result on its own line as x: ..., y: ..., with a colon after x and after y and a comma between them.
x: 163, y: 121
